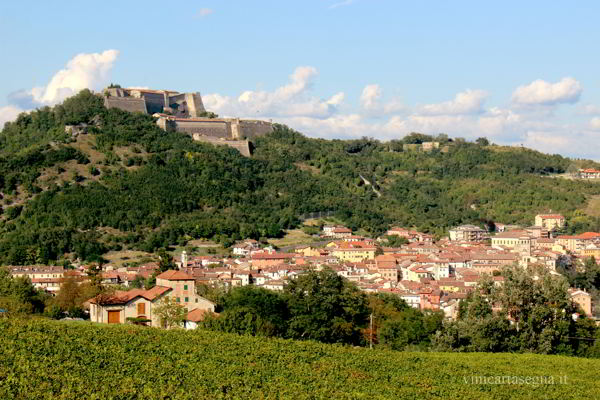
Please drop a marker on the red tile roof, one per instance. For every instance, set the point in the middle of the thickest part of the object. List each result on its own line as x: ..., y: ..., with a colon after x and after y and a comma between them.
x: 198, y: 314
x: 174, y: 275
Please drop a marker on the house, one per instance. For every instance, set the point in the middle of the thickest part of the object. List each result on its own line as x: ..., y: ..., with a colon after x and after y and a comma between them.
x: 589, y: 173
x: 193, y: 317
x: 410, y: 235
x: 139, y: 303
x: 341, y: 232
x: 550, y: 221
x: 519, y: 241
x: 262, y: 260
x: 578, y: 243
x: 592, y: 250
x: 583, y: 299
x: 354, y: 251
x: 469, y: 233
x: 308, y: 251
x: 47, y: 278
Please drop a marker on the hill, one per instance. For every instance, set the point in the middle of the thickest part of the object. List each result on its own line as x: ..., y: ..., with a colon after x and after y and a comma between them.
x: 126, y: 184
x: 68, y: 360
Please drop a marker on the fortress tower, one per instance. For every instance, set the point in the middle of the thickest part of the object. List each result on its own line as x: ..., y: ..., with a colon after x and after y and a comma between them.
x: 148, y: 101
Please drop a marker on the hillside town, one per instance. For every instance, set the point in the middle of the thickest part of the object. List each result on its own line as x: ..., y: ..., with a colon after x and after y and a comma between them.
x: 428, y: 274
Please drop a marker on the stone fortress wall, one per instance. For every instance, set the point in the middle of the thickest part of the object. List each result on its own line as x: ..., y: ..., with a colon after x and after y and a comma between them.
x: 183, y: 112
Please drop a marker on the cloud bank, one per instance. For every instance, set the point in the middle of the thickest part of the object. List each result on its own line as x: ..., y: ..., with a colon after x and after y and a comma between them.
x: 85, y: 70
x: 540, y: 92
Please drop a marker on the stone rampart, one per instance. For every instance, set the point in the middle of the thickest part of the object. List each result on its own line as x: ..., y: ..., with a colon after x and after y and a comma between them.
x: 126, y: 103
x: 243, y: 146
x: 251, y: 129
x: 216, y: 127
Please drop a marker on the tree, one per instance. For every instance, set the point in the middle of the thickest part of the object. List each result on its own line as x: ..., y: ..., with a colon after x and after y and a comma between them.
x: 73, y: 293
x: 534, y: 315
x: 267, y: 305
x: 326, y: 307
x: 138, y: 282
x: 396, y: 240
x: 165, y: 262
x: 18, y: 295
x: 170, y: 313
x: 482, y: 141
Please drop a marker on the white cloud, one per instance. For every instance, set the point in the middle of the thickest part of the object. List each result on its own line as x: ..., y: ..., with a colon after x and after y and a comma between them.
x: 467, y: 102
x: 540, y: 92
x: 370, y: 96
x: 370, y: 100
x: 85, y: 70
x: 203, y: 12
x: 291, y: 99
x: 8, y: 113
x: 595, y: 123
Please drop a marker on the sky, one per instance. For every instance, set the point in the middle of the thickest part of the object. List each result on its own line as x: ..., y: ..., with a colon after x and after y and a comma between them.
x: 518, y: 73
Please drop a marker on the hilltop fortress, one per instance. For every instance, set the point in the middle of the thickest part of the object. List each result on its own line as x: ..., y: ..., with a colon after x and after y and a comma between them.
x: 185, y: 112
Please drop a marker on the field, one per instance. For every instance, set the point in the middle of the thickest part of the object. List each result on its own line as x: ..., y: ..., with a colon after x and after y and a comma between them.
x: 42, y: 359
x: 293, y: 237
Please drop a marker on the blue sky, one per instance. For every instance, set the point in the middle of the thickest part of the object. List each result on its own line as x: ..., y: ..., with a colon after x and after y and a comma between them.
x: 516, y: 72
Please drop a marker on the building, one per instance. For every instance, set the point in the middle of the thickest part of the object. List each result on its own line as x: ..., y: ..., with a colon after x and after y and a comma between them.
x: 262, y: 260
x: 354, y: 252
x: 550, y: 221
x: 469, y: 233
x: 592, y: 250
x: 47, y: 278
x: 410, y: 235
x: 185, y: 112
x: 578, y: 243
x: 155, y: 101
x: 583, y: 299
x: 519, y: 241
x: 122, y: 306
x: 589, y: 173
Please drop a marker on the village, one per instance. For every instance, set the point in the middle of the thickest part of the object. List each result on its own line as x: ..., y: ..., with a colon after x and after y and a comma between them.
x: 427, y: 274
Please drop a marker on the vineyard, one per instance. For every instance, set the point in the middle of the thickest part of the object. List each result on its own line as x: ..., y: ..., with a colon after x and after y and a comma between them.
x: 43, y: 359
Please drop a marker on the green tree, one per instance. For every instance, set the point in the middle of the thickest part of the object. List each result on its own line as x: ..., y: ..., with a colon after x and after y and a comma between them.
x: 269, y: 306
x: 325, y: 307
x: 170, y: 313
x: 482, y: 141
x: 165, y: 262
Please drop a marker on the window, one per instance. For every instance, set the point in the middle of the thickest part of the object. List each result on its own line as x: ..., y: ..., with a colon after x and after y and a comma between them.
x: 196, y: 300
x: 141, y: 308
x: 185, y: 287
x: 187, y: 299
x: 178, y: 299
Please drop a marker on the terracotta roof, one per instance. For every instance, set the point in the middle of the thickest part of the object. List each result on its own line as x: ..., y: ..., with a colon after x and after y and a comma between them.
x: 586, y: 235
x: 551, y: 216
x: 155, y: 292
x: 273, y: 256
x: 198, y: 314
x: 174, y: 275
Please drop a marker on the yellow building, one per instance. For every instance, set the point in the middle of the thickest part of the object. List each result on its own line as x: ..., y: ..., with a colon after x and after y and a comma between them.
x: 578, y: 243
x: 308, y: 251
x: 516, y: 240
x: 592, y: 250
x: 583, y: 299
x: 354, y: 254
x: 550, y: 221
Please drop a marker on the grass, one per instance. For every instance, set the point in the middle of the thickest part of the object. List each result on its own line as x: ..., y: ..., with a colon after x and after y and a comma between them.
x: 42, y: 359
x: 293, y: 237
x: 593, y: 206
